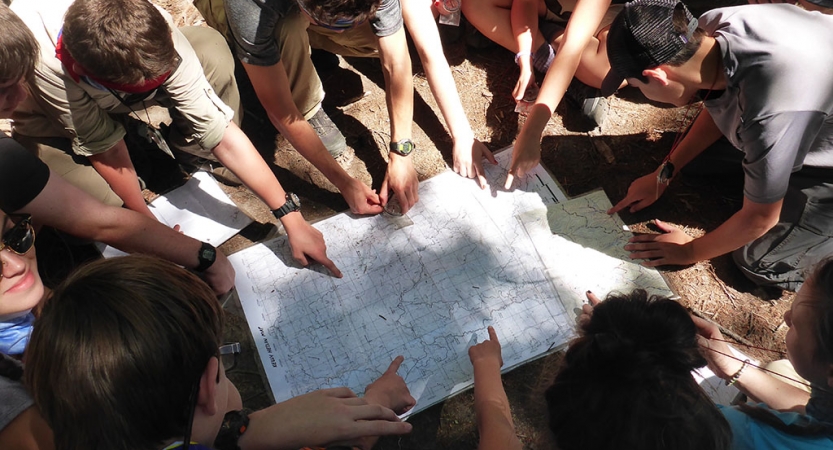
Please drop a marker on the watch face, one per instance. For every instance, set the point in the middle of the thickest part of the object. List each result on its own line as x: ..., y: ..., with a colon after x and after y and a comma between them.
x: 294, y: 199
x: 208, y: 254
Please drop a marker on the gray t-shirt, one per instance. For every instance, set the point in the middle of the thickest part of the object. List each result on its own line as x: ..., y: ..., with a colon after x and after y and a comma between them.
x: 779, y: 99
x: 13, y: 396
x: 252, y: 24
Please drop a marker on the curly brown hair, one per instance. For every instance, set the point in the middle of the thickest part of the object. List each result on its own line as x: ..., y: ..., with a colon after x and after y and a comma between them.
x: 120, y: 41
x: 327, y: 12
x: 18, y: 48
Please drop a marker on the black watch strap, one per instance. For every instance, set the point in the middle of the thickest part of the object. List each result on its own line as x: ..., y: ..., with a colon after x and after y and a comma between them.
x: 234, y: 425
x: 206, y: 256
x: 293, y: 203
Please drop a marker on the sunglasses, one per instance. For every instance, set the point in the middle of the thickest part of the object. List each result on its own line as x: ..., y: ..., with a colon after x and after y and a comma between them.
x: 21, y: 237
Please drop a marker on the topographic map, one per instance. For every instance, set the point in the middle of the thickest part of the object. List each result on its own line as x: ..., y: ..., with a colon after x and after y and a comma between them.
x: 582, y: 248
x: 425, y: 285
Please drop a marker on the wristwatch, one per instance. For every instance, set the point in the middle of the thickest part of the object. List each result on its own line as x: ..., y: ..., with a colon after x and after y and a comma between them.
x: 234, y: 425
x: 293, y: 203
x: 403, y: 147
x: 207, y: 255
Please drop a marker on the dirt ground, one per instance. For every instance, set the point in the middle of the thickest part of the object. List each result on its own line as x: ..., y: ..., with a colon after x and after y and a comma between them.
x: 632, y: 142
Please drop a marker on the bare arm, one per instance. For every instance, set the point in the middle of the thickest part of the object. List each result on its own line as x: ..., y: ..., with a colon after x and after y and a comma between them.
x: 272, y: 88
x: 122, y: 228
x: 645, y: 190
x: 467, y: 152
x: 753, y: 382
x: 28, y: 431
x: 580, y: 28
x: 524, y: 19
x: 236, y: 152
x: 675, y: 247
x: 401, y: 175
x: 117, y: 169
x: 491, y: 406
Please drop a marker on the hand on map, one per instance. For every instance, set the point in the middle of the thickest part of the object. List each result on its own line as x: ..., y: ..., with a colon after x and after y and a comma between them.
x: 587, y: 308
x: 668, y: 248
x: 390, y: 390
x: 322, y: 418
x: 643, y: 192
x: 525, y: 156
x: 307, y: 242
x: 401, y: 178
x: 468, y: 159
x: 487, y: 351
x: 220, y: 276
x: 361, y: 199
x: 712, y: 345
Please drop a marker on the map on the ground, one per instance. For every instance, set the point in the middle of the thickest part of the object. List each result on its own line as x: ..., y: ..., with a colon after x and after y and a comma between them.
x: 582, y: 248
x: 426, y: 288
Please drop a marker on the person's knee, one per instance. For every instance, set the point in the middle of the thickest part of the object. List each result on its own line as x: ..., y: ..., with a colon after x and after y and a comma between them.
x: 211, y: 49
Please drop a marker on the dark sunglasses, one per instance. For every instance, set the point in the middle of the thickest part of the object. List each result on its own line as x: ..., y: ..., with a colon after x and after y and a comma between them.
x: 21, y: 237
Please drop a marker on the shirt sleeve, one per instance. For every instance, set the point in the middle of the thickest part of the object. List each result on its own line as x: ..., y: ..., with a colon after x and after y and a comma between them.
x: 22, y: 176
x: 189, y: 92
x: 253, y: 26
x: 388, y: 18
x: 775, y: 147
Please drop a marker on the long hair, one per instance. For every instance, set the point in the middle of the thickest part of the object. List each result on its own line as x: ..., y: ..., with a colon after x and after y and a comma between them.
x: 18, y: 48
x: 116, y: 352
x: 626, y: 382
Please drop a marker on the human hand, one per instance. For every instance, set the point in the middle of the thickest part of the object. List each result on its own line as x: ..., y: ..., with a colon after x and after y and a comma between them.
x: 401, y: 178
x: 714, y: 349
x: 361, y: 199
x: 322, y: 418
x: 587, y: 308
x: 468, y: 154
x: 487, y: 351
x: 523, y: 79
x: 642, y: 192
x: 306, y: 241
x: 390, y: 390
x: 525, y: 156
x: 220, y: 276
x: 662, y: 249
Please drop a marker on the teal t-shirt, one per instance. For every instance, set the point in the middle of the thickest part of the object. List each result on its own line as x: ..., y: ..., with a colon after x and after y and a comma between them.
x: 751, y: 434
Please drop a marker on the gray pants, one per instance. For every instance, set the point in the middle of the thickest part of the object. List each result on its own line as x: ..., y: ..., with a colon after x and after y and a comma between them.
x: 787, y: 253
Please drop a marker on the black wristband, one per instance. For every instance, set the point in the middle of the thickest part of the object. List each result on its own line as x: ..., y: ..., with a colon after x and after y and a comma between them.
x: 234, y: 425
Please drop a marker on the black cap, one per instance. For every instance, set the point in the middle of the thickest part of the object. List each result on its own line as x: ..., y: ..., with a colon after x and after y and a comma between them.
x: 645, y: 34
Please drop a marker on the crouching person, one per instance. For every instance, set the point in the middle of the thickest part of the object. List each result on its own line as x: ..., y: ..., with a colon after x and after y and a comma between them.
x: 127, y: 355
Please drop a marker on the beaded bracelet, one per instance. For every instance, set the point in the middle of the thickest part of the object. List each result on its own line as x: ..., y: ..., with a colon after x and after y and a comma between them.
x: 737, y: 374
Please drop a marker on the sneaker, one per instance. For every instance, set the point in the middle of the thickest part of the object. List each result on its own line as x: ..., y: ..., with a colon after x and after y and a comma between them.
x: 588, y: 100
x: 329, y: 133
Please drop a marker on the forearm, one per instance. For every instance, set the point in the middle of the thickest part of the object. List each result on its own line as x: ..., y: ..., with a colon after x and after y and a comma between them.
x: 777, y: 394
x: 116, y: 167
x: 523, y: 17
x: 429, y: 46
x: 491, y: 406
x: 743, y: 227
x: 702, y: 134
x: 272, y: 88
x: 396, y: 66
x: 237, y: 153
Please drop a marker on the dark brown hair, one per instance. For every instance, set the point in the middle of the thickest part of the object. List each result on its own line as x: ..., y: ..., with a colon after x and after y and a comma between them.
x: 626, y: 382
x: 327, y: 12
x: 18, y: 48
x: 117, y: 350
x: 120, y: 41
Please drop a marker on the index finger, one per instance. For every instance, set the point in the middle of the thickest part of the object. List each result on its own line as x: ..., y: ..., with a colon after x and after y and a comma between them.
x: 591, y: 297
x: 493, y: 335
x: 394, y: 365
x: 329, y: 264
x: 509, y: 179
x: 624, y: 203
